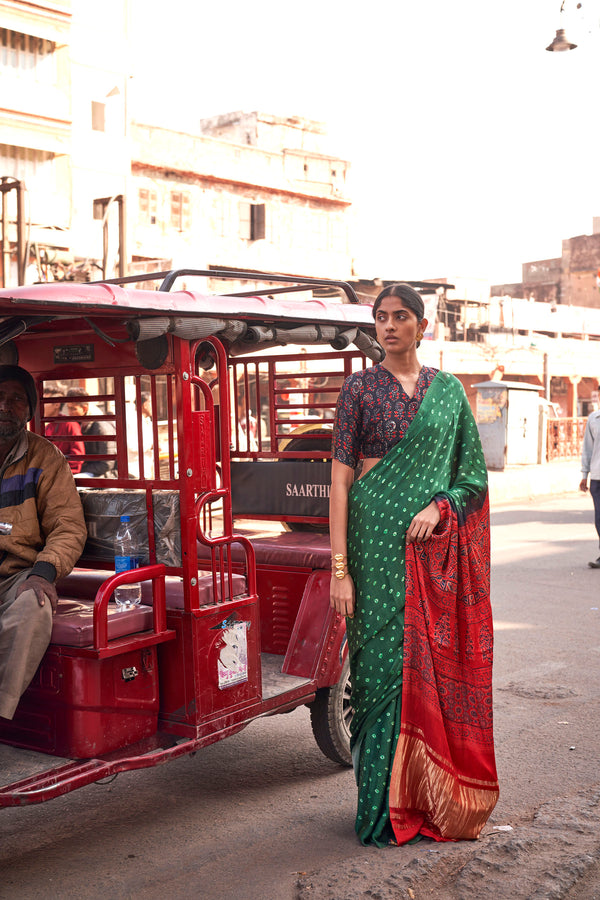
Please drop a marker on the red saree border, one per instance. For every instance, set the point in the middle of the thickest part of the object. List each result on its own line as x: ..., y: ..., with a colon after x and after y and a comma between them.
x: 443, y: 782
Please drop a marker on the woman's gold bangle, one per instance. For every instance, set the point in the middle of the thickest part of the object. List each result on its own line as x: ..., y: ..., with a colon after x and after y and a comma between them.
x: 339, y: 564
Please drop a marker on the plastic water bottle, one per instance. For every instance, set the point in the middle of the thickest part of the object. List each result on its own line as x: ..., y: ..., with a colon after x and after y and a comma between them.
x: 127, y: 595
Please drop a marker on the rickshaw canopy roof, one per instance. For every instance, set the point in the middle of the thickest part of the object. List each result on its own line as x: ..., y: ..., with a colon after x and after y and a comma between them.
x: 60, y: 299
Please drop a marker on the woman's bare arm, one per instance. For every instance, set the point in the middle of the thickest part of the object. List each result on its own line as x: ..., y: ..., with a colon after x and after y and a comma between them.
x: 342, y: 589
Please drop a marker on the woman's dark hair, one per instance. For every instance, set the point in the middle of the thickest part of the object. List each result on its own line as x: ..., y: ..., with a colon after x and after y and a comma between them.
x: 411, y: 299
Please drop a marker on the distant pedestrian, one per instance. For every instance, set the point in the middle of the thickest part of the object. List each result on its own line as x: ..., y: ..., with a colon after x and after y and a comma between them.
x: 79, y: 407
x: 74, y: 450
x: 590, y: 465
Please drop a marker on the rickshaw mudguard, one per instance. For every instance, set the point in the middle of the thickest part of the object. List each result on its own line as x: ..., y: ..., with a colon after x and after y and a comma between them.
x: 317, y: 645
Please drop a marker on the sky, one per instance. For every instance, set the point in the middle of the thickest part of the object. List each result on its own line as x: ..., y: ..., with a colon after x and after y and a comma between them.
x: 473, y: 150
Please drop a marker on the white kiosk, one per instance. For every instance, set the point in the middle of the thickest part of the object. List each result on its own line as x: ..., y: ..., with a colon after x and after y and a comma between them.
x: 508, y: 420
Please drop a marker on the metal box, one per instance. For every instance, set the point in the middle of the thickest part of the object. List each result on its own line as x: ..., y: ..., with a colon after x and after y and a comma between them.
x: 508, y: 420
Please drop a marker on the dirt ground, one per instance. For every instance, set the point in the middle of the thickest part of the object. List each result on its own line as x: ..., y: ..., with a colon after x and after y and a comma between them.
x: 554, y: 855
x: 547, y: 727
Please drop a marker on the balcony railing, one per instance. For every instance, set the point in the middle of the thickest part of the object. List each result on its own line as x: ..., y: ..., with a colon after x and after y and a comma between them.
x: 565, y: 437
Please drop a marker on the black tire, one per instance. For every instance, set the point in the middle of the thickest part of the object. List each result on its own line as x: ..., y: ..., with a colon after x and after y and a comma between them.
x: 330, y: 717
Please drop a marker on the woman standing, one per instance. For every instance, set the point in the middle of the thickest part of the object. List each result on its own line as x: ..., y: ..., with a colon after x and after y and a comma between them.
x: 410, y: 571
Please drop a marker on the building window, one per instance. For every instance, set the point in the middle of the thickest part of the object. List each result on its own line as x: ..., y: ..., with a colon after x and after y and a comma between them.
x: 99, y: 208
x: 98, y: 116
x: 257, y: 222
x: 180, y: 210
x: 252, y: 221
x: 147, y: 206
x: 27, y: 55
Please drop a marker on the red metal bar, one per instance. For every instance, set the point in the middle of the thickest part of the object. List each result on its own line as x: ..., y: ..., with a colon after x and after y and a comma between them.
x: 105, y: 592
x: 121, y: 426
x: 225, y: 432
x: 170, y: 428
x: 138, y: 422
x: 272, y: 419
x: 151, y: 527
x: 189, y: 470
x: 155, y: 441
x: 219, y: 544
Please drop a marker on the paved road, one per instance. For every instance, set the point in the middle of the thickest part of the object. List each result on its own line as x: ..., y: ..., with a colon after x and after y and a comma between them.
x: 263, y: 816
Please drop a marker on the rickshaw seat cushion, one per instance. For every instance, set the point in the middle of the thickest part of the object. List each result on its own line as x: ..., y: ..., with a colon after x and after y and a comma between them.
x: 82, y: 584
x: 299, y: 549
x: 73, y: 623
x: 205, y: 590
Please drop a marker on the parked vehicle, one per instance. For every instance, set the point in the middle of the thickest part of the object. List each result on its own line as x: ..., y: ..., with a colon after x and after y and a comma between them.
x: 227, y: 497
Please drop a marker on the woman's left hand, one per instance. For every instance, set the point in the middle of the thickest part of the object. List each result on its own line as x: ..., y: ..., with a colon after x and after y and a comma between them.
x: 424, y: 522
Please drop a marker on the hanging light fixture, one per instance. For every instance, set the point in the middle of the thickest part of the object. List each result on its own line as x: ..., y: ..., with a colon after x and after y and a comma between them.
x: 560, y: 41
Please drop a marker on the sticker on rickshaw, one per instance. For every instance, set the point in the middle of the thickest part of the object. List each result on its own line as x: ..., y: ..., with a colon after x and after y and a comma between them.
x: 232, y: 665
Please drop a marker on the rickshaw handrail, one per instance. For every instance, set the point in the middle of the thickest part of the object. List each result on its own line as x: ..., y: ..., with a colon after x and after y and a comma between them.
x: 218, y: 543
x: 156, y: 573
x: 170, y: 276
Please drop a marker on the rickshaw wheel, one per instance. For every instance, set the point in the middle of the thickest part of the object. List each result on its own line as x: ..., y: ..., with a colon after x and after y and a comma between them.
x: 330, y: 717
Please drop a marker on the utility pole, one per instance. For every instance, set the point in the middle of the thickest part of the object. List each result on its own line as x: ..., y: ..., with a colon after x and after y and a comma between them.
x: 101, y: 211
x: 7, y: 184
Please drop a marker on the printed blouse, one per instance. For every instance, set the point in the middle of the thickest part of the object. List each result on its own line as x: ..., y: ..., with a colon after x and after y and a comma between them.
x: 374, y: 412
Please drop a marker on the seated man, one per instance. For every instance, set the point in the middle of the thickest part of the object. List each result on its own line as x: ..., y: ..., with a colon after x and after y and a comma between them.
x: 42, y: 534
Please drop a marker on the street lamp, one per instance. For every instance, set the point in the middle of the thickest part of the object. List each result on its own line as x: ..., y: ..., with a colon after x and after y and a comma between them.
x: 560, y: 41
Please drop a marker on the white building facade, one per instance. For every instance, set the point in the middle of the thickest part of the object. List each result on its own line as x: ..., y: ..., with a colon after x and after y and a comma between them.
x: 222, y: 203
x: 104, y: 195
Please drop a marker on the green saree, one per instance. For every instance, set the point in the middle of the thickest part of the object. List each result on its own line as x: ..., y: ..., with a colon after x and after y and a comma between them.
x: 439, y: 457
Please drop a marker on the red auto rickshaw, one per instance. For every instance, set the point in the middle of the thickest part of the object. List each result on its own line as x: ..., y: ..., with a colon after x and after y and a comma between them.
x: 227, y: 496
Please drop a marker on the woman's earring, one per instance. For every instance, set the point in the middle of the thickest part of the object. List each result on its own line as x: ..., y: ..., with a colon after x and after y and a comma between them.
x: 419, y: 335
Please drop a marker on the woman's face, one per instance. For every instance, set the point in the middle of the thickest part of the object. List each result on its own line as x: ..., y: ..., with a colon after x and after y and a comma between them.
x: 397, y: 326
